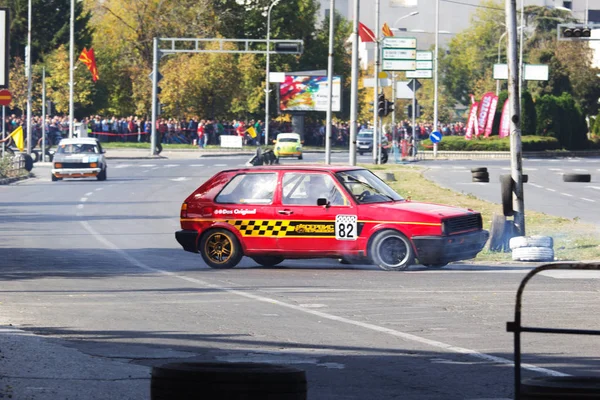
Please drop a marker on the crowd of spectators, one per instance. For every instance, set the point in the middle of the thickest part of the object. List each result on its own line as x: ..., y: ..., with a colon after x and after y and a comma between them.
x: 202, y: 132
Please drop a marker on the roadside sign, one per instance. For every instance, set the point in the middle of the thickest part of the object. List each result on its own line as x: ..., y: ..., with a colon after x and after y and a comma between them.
x: 414, y: 84
x: 420, y: 73
x: 5, y: 97
x: 424, y: 65
x: 151, y: 76
x: 399, y: 65
x: 399, y: 54
x: 435, y: 136
x: 424, y: 55
x: 399, y: 43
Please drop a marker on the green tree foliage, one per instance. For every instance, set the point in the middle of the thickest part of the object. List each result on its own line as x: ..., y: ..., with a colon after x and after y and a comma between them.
x: 50, y: 26
x: 528, y: 115
x: 560, y: 117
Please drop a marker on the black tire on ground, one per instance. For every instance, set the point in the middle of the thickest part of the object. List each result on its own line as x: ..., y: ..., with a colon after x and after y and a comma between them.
x: 480, y: 174
x: 102, y: 175
x: 35, y: 155
x: 506, y: 191
x: 54, y: 178
x: 300, y: 157
x: 360, y: 153
x: 390, y: 250
x: 28, y: 162
x: 220, y: 249
x: 268, y: 261
x: 481, y: 180
x: 227, y: 381
x: 577, y: 178
x: 497, y: 233
x: 479, y: 169
x: 525, y: 177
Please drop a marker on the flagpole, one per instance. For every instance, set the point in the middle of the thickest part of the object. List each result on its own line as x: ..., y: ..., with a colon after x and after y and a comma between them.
x: 376, y: 85
x: 28, y: 66
x: 354, y: 85
x: 71, y: 57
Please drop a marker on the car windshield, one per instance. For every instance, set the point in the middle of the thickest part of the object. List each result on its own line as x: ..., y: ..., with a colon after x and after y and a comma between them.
x: 288, y: 140
x: 366, y: 187
x: 365, y: 135
x: 77, y: 148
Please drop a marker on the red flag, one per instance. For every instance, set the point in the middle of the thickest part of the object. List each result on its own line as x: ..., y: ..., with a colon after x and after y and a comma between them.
x: 505, y: 121
x: 366, y: 35
x: 491, y: 116
x: 386, y: 30
x: 88, y: 58
x: 484, y: 109
x: 472, y: 122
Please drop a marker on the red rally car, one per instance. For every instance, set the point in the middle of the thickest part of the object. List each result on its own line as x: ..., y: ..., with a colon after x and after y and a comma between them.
x: 273, y: 213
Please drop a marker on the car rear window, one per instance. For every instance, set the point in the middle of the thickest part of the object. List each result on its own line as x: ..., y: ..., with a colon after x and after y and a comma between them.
x: 256, y: 188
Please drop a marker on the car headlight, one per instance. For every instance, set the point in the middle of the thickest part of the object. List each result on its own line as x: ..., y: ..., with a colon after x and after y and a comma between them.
x: 298, y: 148
x: 277, y: 148
x: 57, y: 165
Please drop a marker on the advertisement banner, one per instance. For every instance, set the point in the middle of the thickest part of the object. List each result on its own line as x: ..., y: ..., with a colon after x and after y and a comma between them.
x: 484, y: 109
x: 472, y: 122
x: 309, y: 93
x: 505, y: 121
x: 491, y: 116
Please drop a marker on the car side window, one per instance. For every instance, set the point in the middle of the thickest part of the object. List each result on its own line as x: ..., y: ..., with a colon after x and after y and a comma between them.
x: 305, y: 189
x: 249, y: 189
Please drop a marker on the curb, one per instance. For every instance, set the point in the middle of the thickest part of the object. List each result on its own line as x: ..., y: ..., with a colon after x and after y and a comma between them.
x: 7, y: 181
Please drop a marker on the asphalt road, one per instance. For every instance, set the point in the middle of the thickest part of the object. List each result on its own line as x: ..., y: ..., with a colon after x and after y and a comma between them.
x: 94, y: 268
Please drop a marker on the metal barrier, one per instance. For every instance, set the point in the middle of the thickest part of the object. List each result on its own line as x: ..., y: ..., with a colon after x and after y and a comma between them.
x: 587, y: 387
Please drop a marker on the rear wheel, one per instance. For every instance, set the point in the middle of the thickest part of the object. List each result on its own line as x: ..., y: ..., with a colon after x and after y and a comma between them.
x: 392, y: 251
x: 220, y: 249
x: 268, y: 261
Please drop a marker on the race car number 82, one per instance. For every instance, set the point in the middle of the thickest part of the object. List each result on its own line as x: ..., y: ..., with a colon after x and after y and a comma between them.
x: 345, y: 227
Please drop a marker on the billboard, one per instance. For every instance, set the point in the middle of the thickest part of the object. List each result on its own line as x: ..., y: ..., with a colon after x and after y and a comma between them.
x: 309, y: 93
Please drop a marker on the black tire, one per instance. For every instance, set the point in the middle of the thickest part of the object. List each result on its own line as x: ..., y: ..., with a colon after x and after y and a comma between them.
x: 479, y: 169
x: 360, y: 153
x: 35, y: 155
x: 506, y: 191
x: 481, y: 180
x: 577, y: 178
x: 220, y: 249
x: 102, y: 175
x: 480, y: 174
x: 300, y: 157
x: 268, y: 261
x: 54, y: 178
x: 28, y: 161
x: 390, y: 250
x: 524, y: 177
x: 438, y: 265
x: 227, y: 381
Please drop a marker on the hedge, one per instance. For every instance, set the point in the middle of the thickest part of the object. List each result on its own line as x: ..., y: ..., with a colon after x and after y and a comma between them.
x: 493, y: 143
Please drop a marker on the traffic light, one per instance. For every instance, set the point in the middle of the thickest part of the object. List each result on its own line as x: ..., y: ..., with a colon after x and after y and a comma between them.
x: 574, y: 32
x: 381, y: 105
x: 389, y: 107
x: 408, y: 110
x: 419, y: 110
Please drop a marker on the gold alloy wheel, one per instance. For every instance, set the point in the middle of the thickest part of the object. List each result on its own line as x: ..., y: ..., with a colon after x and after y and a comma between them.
x: 218, y: 248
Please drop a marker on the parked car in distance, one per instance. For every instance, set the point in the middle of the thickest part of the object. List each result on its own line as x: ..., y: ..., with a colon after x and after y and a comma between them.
x: 273, y: 213
x: 79, y: 158
x: 364, y: 141
x: 288, y: 145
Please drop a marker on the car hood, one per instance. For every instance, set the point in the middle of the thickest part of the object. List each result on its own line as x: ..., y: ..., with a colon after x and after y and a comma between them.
x: 76, y: 158
x: 430, y: 211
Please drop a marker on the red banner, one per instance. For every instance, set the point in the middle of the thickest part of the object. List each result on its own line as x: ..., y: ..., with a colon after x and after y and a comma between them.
x: 484, y: 110
x: 472, y: 122
x: 505, y: 121
x: 491, y: 116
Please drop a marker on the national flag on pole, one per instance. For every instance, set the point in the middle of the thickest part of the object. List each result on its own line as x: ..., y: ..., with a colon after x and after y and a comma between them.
x: 88, y: 58
x: 365, y: 34
x: 386, y: 30
x: 17, y: 136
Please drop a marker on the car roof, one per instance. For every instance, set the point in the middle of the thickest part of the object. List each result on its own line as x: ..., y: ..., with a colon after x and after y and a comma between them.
x: 288, y: 134
x: 271, y: 168
x: 79, y: 140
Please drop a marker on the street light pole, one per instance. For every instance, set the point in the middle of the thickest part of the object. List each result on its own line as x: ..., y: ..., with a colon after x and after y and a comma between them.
x: 354, y: 85
x: 435, y: 76
x: 329, y: 84
x: 267, y: 90
x: 376, y: 87
x: 71, y: 60
x: 28, y: 124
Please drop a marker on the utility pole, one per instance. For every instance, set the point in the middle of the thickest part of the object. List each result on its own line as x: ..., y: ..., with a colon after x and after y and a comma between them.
x: 516, y: 156
x: 329, y: 83
x: 376, y: 134
x: 354, y: 85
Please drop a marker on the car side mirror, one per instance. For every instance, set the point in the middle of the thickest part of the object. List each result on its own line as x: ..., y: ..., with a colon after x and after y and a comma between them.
x: 103, y: 151
x: 321, y: 201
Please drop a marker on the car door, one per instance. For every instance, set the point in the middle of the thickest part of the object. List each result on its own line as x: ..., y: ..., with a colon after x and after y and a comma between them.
x: 313, y: 228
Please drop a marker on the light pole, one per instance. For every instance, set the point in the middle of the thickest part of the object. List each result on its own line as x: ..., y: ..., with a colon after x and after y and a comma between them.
x: 267, y: 72
x: 329, y: 83
x: 71, y: 69
x: 404, y: 16
x: 28, y: 123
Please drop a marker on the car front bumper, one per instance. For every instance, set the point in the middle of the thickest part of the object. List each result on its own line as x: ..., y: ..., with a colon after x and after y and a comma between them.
x: 75, y: 172
x: 187, y: 239
x: 445, y: 249
x: 288, y: 153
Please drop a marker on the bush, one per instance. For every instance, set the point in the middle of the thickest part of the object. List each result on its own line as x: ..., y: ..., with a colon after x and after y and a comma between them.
x: 560, y: 117
x: 493, y: 143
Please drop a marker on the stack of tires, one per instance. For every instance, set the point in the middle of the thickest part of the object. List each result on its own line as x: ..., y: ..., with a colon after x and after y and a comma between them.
x: 532, y: 248
x: 480, y: 174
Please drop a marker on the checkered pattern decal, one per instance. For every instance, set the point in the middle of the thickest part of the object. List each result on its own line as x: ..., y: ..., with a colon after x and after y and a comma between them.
x: 281, y: 228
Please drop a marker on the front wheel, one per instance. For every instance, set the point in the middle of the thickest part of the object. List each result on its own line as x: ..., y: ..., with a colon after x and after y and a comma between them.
x: 392, y: 251
x: 102, y: 175
x: 220, y: 249
x: 268, y: 261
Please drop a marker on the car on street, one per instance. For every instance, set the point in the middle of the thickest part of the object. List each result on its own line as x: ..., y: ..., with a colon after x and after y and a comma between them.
x: 288, y: 145
x: 79, y: 158
x: 273, y: 213
x: 364, y: 141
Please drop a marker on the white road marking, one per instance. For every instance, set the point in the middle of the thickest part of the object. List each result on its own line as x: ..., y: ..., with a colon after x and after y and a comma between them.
x: 320, y: 314
x: 530, y: 169
x: 459, y: 167
x: 83, y: 199
x: 155, y: 168
x: 435, y: 167
x: 562, y: 274
x: 505, y: 169
x: 147, y: 165
x: 535, y: 185
x: 89, y: 193
x: 590, y: 200
x: 580, y: 169
x: 567, y: 194
x: 80, y: 206
x: 122, y: 166
x: 554, y: 160
x: 99, y: 189
x: 180, y: 179
x: 555, y: 169
x: 197, y: 165
x: 550, y: 190
x: 593, y: 187
x: 171, y: 165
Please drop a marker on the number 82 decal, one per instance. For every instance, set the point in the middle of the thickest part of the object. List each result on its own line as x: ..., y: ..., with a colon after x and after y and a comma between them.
x: 345, y: 227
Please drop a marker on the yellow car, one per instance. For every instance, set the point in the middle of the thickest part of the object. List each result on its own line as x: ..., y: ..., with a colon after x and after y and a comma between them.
x: 288, y: 145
